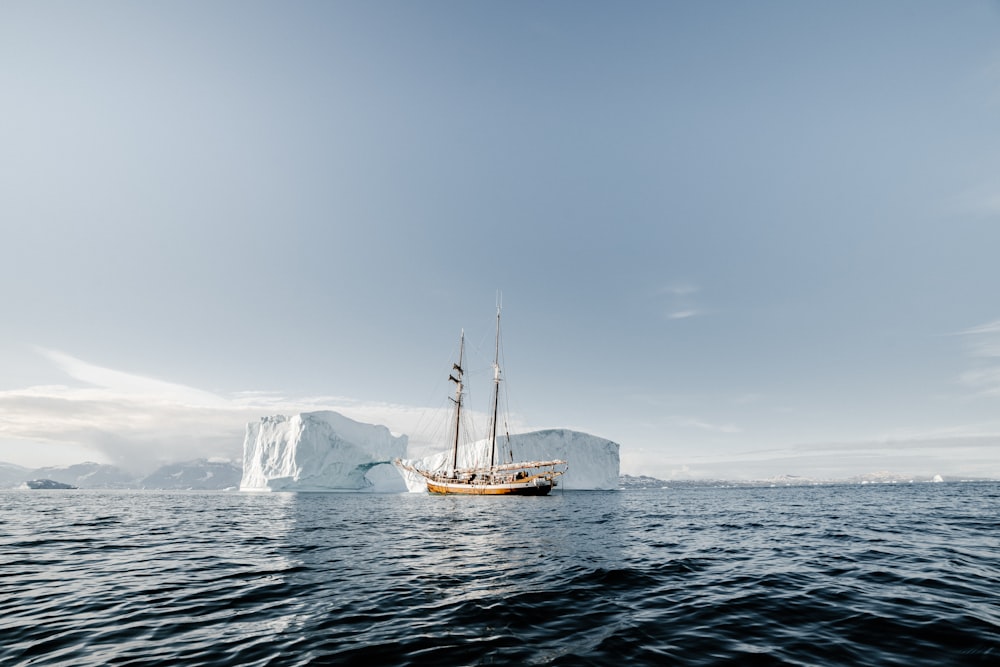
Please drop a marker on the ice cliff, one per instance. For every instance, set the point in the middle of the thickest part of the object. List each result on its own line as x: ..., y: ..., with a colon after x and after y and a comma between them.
x: 320, y: 451
x: 593, y: 462
x: 325, y: 451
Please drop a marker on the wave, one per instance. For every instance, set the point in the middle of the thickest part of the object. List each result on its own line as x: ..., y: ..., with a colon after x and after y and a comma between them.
x: 748, y: 576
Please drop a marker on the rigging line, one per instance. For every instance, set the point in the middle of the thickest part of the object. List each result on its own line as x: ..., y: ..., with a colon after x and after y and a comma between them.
x: 504, y: 396
x: 431, y: 427
x: 430, y: 416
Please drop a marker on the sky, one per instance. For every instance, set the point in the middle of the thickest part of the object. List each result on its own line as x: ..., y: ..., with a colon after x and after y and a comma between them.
x: 739, y: 239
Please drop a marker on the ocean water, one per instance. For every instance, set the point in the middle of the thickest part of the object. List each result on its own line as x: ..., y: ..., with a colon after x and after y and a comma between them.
x: 839, y: 575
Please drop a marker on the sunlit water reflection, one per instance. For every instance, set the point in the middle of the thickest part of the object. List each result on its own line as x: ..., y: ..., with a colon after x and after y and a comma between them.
x: 818, y: 575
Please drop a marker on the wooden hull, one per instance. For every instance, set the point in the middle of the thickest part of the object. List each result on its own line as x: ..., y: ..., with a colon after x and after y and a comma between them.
x: 527, y: 478
x: 526, y: 488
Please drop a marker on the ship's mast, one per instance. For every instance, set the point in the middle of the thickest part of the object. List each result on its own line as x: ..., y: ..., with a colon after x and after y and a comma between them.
x: 458, y: 403
x: 496, y: 393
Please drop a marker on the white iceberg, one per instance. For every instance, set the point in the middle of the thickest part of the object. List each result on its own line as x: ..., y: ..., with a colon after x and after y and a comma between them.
x: 320, y: 451
x: 593, y: 462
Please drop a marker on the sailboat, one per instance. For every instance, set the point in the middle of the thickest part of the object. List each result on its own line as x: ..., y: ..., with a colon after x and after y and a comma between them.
x: 497, y: 478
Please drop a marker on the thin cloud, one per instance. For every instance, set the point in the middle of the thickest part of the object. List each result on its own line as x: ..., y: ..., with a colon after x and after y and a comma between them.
x: 682, y: 305
x: 984, y: 345
x: 680, y: 289
x: 940, y: 444
x: 748, y: 399
x: 694, y: 422
x: 990, y: 347
x: 961, y: 431
x: 988, y: 328
x: 141, y: 422
x: 987, y: 380
x: 980, y: 200
x: 128, y: 383
x: 972, y: 455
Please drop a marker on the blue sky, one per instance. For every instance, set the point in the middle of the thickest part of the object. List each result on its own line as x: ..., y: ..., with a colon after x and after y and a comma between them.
x: 740, y: 239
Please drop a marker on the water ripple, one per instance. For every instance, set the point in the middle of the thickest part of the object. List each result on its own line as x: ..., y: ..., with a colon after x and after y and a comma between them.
x: 797, y: 576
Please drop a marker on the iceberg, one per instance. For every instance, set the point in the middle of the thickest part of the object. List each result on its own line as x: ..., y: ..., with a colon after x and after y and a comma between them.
x: 319, y: 451
x: 593, y: 462
x: 325, y: 451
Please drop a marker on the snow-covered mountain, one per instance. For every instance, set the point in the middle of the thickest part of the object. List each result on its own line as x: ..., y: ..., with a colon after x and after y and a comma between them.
x: 640, y: 482
x: 88, y: 475
x: 13, y: 475
x: 200, y: 474
x: 197, y: 474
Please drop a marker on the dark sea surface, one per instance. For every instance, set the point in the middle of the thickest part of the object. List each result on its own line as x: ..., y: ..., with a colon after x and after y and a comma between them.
x: 834, y: 575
